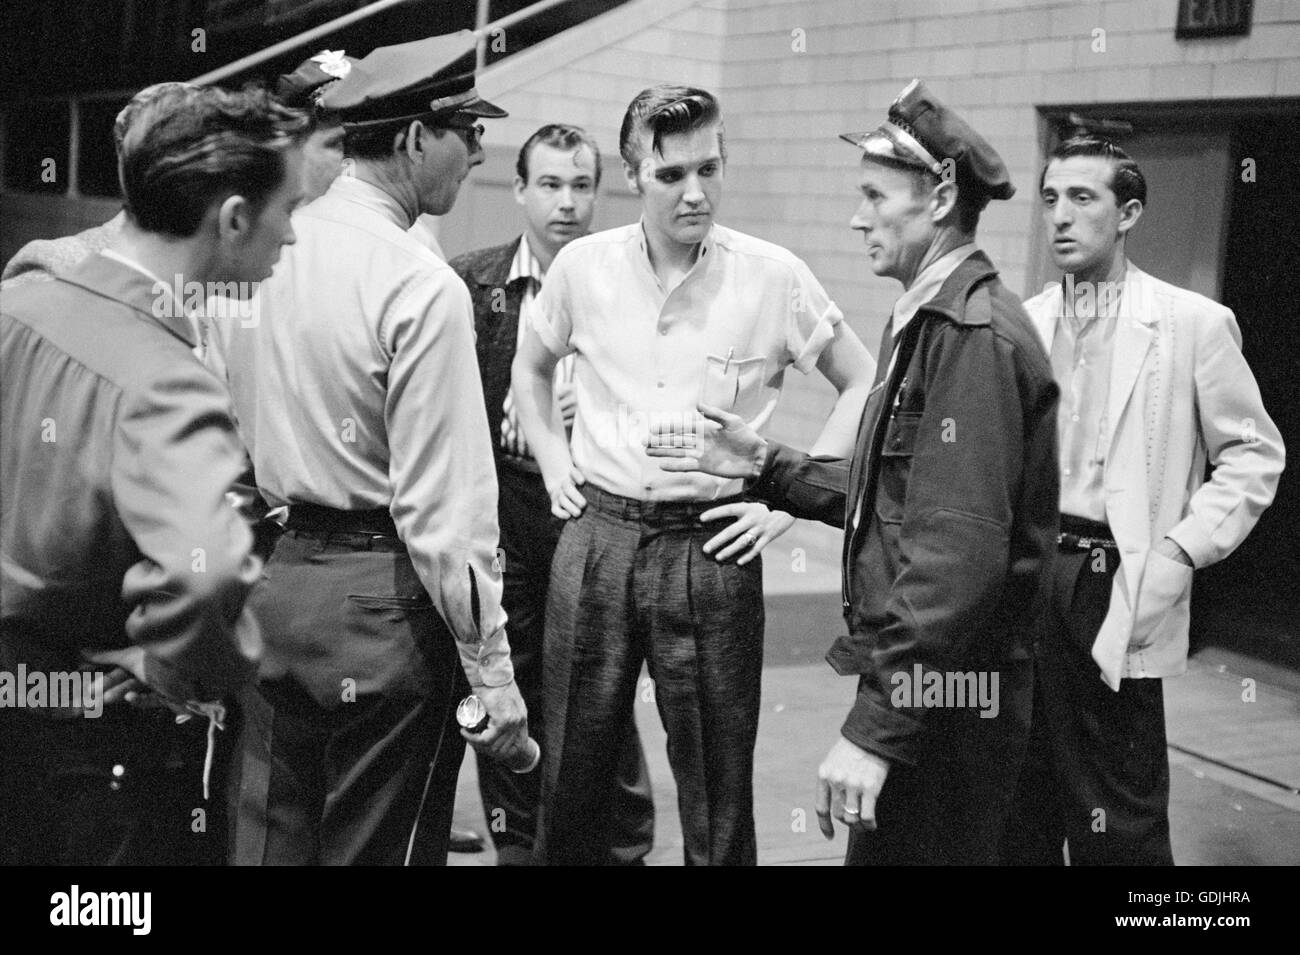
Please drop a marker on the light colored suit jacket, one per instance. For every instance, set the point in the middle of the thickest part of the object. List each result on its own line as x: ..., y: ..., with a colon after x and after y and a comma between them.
x: 1180, y: 392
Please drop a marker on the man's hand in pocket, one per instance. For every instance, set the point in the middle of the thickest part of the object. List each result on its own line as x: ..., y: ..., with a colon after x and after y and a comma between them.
x: 1169, y: 548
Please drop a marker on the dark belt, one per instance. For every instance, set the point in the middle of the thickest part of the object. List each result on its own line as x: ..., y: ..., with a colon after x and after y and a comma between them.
x: 1078, y: 533
x: 368, y: 530
x: 649, y: 512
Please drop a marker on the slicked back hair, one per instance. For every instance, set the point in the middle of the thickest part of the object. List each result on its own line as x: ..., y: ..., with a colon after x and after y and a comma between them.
x: 189, y: 147
x: 131, y: 111
x: 1126, y: 179
x: 664, y: 110
x: 557, y: 136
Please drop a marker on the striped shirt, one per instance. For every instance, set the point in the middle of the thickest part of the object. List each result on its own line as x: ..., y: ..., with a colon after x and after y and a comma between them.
x: 526, y: 267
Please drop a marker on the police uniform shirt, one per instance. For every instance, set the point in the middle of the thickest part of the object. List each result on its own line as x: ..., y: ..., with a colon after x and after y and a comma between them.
x: 357, y: 388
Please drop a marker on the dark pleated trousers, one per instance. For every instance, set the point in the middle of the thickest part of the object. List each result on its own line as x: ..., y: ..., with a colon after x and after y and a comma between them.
x: 529, y: 536
x: 631, y: 583
x: 1097, y: 775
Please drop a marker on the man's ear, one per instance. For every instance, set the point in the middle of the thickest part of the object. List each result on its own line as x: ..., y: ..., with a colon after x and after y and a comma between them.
x: 1129, y: 213
x: 234, y: 218
x: 414, y: 145
x: 633, y: 176
x: 943, y: 200
x: 520, y: 186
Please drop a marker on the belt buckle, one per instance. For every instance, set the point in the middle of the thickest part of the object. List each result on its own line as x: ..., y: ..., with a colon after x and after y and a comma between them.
x: 1074, y: 541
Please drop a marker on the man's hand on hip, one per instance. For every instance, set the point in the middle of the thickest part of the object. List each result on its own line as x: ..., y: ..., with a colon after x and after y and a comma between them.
x: 566, y: 500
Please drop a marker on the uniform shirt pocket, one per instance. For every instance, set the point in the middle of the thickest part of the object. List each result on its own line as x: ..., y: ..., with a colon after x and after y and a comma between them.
x: 896, y: 465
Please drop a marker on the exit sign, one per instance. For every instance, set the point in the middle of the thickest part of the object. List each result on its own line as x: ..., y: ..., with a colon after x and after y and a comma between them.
x: 1201, y: 18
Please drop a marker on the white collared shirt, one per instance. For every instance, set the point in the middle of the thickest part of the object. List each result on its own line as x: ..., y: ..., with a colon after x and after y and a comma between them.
x: 424, y: 232
x: 358, y: 388
x: 745, y: 312
x: 926, y: 287
x: 1081, y: 353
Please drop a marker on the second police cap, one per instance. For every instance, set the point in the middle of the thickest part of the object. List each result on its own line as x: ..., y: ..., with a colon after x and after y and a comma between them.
x: 920, y: 131
x: 304, y: 87
x: 423, y: 78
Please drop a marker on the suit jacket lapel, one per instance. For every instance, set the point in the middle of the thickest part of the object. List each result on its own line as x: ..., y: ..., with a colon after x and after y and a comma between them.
x: 493, y: 268
x: 491, y: 274
x: 1132, y: 340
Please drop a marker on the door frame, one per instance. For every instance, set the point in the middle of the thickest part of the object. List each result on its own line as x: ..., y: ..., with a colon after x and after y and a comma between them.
x: 1054, y: 124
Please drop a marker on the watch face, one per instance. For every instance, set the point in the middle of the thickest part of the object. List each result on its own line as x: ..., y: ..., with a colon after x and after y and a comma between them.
x: 472, y: 714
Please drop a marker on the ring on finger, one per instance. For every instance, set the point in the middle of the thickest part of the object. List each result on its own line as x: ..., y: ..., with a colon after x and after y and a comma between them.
x: 750, y: 539
x: 851, y: 812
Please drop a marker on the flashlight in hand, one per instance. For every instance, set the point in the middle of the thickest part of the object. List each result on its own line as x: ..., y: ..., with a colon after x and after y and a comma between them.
x: 472, y: 715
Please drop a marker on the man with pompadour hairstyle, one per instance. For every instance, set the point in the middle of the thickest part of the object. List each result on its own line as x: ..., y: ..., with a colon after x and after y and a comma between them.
x: 947, y: 503
x: 557, y: 174
x: 657, y: 314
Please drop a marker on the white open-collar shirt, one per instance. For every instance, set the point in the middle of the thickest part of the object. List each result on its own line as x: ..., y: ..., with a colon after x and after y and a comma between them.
x: 745, y: 312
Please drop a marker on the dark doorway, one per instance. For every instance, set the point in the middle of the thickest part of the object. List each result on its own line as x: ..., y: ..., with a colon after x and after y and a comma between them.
x: 1251, y: 601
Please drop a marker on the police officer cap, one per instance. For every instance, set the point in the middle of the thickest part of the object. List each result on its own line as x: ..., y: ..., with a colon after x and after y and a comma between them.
x: 304, y: 87
x: 423, y: 79
x: 923, y: 133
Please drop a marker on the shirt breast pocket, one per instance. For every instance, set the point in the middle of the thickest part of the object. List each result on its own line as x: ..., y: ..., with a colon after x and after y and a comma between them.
x: 896, y: 465
x: 734, y: 384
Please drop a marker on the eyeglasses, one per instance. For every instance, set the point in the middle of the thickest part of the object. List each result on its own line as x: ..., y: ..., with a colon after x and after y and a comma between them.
x: 472, y: 133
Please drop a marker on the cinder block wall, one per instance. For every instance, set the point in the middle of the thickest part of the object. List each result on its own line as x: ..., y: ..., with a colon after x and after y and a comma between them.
x: 793, y: 74
x: 995, y: 60
x: 589, y: 74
